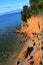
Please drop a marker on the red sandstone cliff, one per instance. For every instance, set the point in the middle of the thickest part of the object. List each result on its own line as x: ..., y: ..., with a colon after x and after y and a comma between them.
x: 33, y: 26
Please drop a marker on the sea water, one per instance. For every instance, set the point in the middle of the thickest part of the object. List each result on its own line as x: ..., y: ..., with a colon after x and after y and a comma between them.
x: 10, y: 21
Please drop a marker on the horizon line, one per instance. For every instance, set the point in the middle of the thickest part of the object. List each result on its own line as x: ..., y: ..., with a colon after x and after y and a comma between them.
x: 13, y: 11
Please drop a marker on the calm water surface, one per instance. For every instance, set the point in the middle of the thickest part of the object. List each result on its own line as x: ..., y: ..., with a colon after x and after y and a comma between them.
x: 9, y: 21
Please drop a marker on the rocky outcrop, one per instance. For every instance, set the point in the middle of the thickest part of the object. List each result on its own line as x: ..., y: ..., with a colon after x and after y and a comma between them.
x: 31, y: 52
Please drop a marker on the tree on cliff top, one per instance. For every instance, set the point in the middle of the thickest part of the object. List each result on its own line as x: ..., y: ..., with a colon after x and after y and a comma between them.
x: 36, y: 7
x: 25, y: 13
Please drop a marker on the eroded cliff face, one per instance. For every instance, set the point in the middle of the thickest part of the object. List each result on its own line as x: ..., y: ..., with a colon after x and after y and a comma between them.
x: 31, y: 53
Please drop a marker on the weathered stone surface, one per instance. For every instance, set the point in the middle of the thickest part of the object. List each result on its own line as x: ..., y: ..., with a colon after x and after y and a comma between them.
x: 33, y: 27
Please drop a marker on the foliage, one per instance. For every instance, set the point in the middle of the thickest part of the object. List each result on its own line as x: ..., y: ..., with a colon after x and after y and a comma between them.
x: 36, y: 7
x: 25, y: 13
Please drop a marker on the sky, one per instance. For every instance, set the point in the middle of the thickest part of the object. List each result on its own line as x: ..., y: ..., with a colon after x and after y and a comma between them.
x: 10, y: 5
